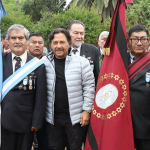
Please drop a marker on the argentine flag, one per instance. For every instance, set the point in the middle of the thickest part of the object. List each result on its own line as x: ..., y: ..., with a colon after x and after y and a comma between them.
x: 2, y: 13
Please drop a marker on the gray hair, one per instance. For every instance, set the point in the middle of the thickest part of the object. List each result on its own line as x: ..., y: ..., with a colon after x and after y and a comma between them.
x: 18, y: 27
x: 75, y: 22
x: 103, y: 33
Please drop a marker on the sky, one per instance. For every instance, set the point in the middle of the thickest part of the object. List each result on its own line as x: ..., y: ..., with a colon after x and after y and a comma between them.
x: 67, y: 2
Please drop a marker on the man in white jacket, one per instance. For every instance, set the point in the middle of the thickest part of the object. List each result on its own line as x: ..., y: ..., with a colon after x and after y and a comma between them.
x: 71, y: 89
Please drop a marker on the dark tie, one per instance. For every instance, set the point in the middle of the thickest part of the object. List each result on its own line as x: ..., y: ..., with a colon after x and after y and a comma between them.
x: 134, y: 58
x: 18, y: 64
x: 74, y: 51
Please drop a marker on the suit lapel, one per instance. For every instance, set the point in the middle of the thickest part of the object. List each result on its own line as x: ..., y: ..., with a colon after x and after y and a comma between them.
x: 29, y: 57
x: 9, y: 64
x: 83, y: 51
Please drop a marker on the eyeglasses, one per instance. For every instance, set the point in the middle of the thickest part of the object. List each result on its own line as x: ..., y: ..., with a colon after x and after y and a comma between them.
x: 104, y: 39
x: 135, y: 41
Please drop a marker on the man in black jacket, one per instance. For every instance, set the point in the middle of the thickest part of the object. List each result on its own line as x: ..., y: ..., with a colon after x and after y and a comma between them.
x: 78, y: 47
x: 23, y: 107
x: 139, y: 75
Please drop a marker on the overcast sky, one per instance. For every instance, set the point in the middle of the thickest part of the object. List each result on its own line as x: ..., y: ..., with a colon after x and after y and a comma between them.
x: 67, y: 2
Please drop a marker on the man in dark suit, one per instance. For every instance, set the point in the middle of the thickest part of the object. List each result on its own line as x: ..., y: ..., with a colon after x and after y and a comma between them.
x: 139, y: 75
x: 35, y: 48
x: 23, y: 107
x: 78, y: 47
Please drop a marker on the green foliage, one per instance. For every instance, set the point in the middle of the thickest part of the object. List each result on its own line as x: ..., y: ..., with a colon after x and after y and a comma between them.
x: 35, y: 8
x: 90, y: 18
x: 139, y: 14
x: 104, y: 7
x: 14, y: 16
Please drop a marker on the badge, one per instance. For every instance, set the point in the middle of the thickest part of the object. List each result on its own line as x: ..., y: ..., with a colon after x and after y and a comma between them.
x: 147, y: 85
x: 30, y: 83
x: 20, y: 87
x: 32, y: 73
x: 24, y: 87
x: 147, y: 79
x: 25, y: 81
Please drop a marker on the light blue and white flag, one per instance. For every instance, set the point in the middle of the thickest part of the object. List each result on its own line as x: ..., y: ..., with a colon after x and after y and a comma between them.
x: 2, y: 13
x: 2, y: 10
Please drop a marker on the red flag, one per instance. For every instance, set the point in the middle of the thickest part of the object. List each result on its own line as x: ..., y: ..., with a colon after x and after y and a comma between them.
x: 110, y: 126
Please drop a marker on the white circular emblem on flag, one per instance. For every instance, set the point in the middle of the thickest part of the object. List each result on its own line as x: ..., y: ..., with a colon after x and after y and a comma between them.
x: 106, y: 96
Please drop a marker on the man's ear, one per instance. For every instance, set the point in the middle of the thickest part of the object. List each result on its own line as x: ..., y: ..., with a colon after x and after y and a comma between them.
x: 127, y: 40
x: 128, y: 47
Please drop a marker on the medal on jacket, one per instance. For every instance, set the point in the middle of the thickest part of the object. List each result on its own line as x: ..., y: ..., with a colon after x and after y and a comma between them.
x: 25, y: 81
x: 20, y: 87
x: 147, y: 78
x: 30, y: 83
x: 34, y: 81
x: 91, y: 63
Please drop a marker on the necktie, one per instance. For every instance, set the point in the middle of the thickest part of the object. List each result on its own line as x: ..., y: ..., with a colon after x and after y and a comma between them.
x: 18, y: 64
x: 134, y: 58
x: 74, y: 51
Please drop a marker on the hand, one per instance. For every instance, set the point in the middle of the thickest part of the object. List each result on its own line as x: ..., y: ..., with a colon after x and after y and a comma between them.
x: 85, y: 118
x: 34, y: 129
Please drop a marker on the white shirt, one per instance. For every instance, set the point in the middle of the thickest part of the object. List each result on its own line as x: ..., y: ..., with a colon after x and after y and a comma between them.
x: 23, y: 59
x: 77, y: 53
x: 131, y: 57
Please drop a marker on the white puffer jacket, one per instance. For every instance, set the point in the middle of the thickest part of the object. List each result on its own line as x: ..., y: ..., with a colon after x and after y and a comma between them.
x: 80, y: 86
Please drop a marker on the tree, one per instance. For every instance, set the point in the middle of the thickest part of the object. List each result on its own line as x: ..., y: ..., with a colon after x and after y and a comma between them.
x: 35, y: 8
x: 90, y: 18
x: 14, y: 17
x: 139, y: 14
x: 103, y: 7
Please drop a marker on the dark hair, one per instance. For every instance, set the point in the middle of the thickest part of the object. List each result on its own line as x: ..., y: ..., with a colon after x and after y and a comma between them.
x: 36, y: 34
x: 59, y: 30
x: 75, y: 22
x: 4, y: 36
x: 137, y: 28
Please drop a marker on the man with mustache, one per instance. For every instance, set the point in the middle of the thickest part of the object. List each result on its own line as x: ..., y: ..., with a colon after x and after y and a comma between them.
x: 36, y: 48
x: 23, y: 94
x: 36, y: 45
x: 78, y: 47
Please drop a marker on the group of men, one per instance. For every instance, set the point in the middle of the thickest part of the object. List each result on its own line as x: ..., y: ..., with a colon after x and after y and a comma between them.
x: 53, y: 96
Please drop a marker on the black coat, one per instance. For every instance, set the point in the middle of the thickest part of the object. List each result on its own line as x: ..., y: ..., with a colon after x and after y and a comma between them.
x: 90, y: 51
x: 140, y: 104
x: 22, y: 109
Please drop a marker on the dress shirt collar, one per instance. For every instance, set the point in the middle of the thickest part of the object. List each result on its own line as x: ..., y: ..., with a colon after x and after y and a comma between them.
x: 78, y: 52
x: 23, y: 57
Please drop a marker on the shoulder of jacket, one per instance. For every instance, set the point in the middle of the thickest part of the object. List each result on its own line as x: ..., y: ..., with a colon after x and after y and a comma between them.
x: 80, y: 58
x: 89, y: 45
